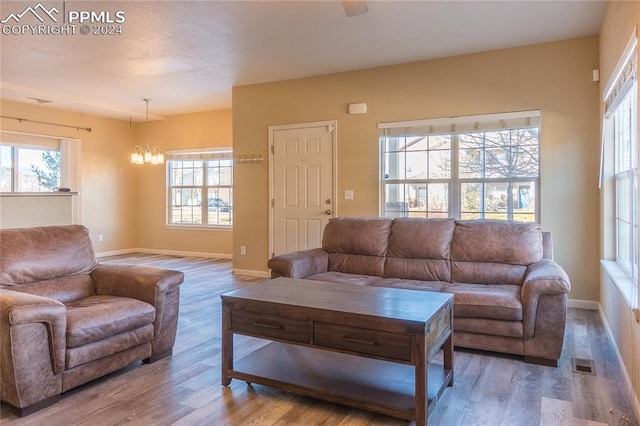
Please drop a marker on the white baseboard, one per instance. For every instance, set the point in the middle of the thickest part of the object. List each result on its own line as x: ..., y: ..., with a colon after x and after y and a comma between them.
x: 166, y: 252
x: 583, y: 304
x: 250, y: 273
x: 625, y: 373
x: 115, y: 252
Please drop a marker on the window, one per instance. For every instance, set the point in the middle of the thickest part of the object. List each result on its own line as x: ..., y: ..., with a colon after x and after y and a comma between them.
x: 200, y: 188
x: 619, y: 174
x: 625, y: 131
x: 29, y: 169
x: 466, y: 167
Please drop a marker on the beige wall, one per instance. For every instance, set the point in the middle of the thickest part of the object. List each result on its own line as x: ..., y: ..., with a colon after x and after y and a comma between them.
x: 108, y: 187
x: 122, y: 201
x: 620, y: 20
x: 553, y: 77
x: 178, y: 132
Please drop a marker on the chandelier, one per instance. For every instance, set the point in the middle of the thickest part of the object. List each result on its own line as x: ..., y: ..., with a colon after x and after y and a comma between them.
x: 142, y: 155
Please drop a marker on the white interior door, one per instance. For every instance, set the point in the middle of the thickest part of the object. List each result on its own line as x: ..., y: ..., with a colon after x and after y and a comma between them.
x: 302, y: 185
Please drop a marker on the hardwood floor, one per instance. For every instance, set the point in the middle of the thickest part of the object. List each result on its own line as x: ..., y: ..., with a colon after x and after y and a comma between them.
x: 185, y: 389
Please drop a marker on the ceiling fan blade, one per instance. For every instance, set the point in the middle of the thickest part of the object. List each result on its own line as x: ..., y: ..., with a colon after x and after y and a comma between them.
x: 354, y: 7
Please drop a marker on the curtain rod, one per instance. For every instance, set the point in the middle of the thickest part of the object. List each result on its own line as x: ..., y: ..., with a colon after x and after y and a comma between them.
x: 88, y: 129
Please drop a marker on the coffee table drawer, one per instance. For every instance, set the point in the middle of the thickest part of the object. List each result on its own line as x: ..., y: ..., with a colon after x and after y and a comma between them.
x: 273, y: 326
x: 363, y: 341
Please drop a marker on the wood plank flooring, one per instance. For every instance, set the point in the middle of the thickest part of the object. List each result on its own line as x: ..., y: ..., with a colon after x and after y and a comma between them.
x: 185, y: 389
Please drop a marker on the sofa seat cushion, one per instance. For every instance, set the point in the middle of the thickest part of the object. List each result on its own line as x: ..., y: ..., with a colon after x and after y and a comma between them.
x: 120, y: 342
x: 411, y: 284
x: 98, y: 317
x: 341, y: 277
x: 498, y: 301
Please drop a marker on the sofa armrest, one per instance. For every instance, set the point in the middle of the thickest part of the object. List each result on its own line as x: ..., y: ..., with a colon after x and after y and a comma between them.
x: 544, y: 277
x: 299, y: 264
x: 159, y: 287
x: 18, y: 308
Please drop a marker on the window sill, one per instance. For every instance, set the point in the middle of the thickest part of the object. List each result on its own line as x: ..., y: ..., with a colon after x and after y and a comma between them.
x: 625, y: 284
x: 199, y: 228
x: 37, y: 194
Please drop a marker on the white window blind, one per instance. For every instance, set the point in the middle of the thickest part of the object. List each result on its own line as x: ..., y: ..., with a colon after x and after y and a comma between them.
x: 200, y: 155
x: 465, y: 124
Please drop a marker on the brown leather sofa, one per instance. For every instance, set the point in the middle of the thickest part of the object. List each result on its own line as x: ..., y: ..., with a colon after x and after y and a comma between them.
x: 65, y: 319
x: 509, y: 294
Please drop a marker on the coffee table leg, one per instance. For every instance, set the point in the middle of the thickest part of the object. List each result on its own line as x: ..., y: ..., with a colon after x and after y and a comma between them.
x: 227, y: 345
x: 448, y: 357
x: 421, y: 380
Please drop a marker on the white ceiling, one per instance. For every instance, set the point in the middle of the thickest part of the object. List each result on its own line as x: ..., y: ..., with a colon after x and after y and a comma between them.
x: 187, y: 55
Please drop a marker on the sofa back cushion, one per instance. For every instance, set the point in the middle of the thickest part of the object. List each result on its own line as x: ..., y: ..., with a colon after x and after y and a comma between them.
x: 44, y: 253
x: 357, y: 245
x: 494, y: 252
x: 419, y: 249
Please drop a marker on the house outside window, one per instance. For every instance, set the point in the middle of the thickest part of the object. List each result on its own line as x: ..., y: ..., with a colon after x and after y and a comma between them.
x: 200, y: 188
x: 476, y: 167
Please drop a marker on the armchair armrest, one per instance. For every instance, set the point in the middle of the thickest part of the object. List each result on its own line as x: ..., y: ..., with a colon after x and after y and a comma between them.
x: 144, y: 283
x: 544, y: 277
x: 157, y: 286
x: 299, y: 264
x: 18, y: 308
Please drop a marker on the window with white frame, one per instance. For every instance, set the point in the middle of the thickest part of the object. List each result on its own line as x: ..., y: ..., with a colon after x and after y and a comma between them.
x: 200, y: 188
x: 621, y: 130
x: 465, y: 167
x: 38, y: 163
x: 626, y: 178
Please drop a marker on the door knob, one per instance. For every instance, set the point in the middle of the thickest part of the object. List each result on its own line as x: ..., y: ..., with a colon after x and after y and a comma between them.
x: 327, y: 212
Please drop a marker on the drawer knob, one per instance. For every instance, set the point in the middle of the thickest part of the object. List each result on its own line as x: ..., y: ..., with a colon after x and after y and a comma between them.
x: 348, y: 339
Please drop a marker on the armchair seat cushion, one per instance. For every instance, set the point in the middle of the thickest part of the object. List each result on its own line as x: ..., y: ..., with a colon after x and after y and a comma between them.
x: 497, y: 301
x: 111, y: 345
x: 95, y: 318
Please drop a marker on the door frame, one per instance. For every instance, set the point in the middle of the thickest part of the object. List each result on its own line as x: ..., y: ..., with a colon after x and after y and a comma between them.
x: 334, y: 166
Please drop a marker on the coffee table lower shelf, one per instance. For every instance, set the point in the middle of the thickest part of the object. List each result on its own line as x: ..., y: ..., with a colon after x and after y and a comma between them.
x: 370, y: 384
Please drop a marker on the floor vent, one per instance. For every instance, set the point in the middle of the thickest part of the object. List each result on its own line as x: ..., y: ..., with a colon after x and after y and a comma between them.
x: 580, y: 365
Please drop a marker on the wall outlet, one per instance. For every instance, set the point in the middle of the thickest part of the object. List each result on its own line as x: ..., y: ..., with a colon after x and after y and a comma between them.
x: 100, y: 237
x: 243, y: 250
x: 348, y: 194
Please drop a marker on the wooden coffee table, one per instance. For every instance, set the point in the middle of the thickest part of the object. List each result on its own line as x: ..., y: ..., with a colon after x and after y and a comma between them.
x: 366, y: 347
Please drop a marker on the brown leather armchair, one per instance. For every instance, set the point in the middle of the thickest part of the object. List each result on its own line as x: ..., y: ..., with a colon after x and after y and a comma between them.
x: 66, y: 320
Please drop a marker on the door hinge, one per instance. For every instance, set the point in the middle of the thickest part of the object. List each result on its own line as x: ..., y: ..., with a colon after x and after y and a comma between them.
x: 273, y: 151
x: 273, y: 202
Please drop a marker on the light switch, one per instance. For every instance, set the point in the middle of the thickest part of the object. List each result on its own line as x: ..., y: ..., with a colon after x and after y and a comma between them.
x: 348, y: 194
